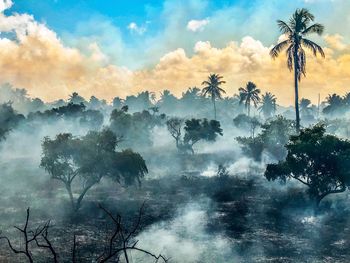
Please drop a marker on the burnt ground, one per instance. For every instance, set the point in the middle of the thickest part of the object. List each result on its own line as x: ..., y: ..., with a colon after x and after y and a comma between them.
x: 262, y: 223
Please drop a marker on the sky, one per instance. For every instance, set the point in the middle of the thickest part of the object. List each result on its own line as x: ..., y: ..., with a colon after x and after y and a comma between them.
x: 117, y: 48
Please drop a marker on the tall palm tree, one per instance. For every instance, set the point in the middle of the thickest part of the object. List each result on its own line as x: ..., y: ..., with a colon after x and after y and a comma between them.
x: 268, y: 105
x: 298, y: 27
x: 248, y: 95
x: 212, y: 88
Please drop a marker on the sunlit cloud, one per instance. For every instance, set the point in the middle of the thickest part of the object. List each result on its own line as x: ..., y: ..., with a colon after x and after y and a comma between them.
x: 197, y: 25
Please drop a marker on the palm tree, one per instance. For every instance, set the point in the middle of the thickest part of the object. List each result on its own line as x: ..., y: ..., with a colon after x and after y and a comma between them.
x: 213, y: 89
x: 298, y: 27
x: 305, y: 106
x: 268, y: 104
x: 335, y: 104
x: 248, y: 95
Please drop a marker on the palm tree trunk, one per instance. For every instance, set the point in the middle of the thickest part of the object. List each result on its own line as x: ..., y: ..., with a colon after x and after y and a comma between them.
x: 296, y: 82
x: 214, y: 109
x: 249, y: 109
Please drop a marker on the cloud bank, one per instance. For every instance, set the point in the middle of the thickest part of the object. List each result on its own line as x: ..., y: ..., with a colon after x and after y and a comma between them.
x: 35, y: 58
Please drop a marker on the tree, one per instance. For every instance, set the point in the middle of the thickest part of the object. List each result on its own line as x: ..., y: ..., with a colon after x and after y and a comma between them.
x: 268, y: 105
x: 195, y: 130
x: 88, y: 159
x: 273, y: 137
x: 9, y: 119
x: 335, y: 104
x: 134, y: 128
x: 75, y: 98
x: 298, y: 27
x: 174, y: 126
x: 212, y: 89
x: 248, y: 95
x: 317, y: 160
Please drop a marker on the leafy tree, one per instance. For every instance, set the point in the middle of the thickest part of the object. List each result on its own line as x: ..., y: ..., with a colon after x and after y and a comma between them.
x: 273, y: 137
x: 268, y: 105
x: 296, y: 30
x: 9, y: 119
x: 243, y: 121
x: 248, y: 95
x: 87, y: 160
x: 76, y: 112
x: 134, y: 128
x: 317, y: 160
x: 252, y: 146
x: 194, y: 131
x: 212, y: 89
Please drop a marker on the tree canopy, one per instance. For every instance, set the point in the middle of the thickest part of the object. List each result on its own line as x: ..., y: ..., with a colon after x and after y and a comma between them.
x: 317, y: 160
x: 88, y: 159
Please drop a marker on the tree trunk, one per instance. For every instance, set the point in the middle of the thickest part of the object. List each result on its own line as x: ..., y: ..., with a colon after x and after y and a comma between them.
x: 296, y: 82
x: 214, y: 109
x: 69, y: 189
x: 319, y: 198
x: 249, y: 109
x: 80, y: 198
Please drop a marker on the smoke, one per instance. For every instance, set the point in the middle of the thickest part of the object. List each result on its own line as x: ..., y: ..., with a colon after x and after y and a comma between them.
x: 186, y: 238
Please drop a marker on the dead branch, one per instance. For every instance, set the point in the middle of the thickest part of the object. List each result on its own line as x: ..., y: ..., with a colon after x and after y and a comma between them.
x: 122, y: 241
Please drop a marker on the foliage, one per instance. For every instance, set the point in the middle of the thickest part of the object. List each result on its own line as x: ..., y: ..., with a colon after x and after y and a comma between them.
x: 317, y: 160
x: 9, y: 119
x: 88, y: 159
x: 89, y: 118
x: 195, y: 130
x: 273, y: 137
x: 268, y: 105
x: 134, y: 128
x: 248, y: 95
x: 212, y: 89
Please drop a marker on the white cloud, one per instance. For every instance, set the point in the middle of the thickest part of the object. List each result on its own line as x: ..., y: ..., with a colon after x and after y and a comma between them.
x: 197, y: 25
x: 5, y: 4
x: 133, y: 27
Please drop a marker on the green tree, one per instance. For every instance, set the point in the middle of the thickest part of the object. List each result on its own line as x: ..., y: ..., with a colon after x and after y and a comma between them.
x: 248, y: 95
x: 273, y: 137
x: 268, y: 105
x: 81, y: 163
x: 213, y: 90
x: 317, y: 160
x: 296, y: 30
x: 195, y: 130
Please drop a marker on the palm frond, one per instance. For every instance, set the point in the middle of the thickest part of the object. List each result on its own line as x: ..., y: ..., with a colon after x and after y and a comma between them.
x: 313, y: 47
x: 284, y: 27
x: 276, y: 50
x: 289, y: 53
x: 315, y: 28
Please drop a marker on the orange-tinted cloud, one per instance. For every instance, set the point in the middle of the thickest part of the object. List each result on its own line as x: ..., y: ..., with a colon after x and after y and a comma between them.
x: 38, y: 61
